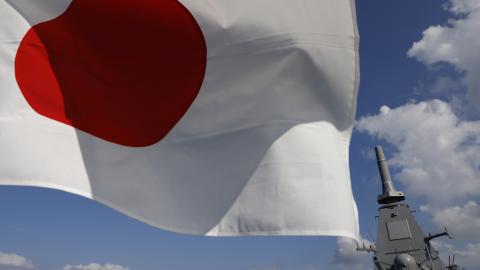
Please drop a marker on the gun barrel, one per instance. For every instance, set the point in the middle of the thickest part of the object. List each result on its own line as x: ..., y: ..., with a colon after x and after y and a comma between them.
x: 387, y: 185
x: 389, y: 194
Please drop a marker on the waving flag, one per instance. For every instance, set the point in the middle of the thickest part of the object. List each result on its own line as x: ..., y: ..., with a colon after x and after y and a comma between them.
x: 217, y: 117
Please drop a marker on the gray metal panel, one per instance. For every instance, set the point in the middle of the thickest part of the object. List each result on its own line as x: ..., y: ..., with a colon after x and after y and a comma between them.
x: 398, y: 229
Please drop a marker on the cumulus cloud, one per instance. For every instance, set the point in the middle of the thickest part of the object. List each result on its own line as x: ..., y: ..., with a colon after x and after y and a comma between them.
x: 14, y: 260
x: 463, y: 6
x: 463, y: 220
x: 438, y: 154
x: 467, y: 257
x: 95, y: 266
x: 455, y: 43
x: 445, y: 84
x: 347, y: 257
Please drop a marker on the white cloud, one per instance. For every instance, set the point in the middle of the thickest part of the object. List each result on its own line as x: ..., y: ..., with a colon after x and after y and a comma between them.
x: 438, y: 154
x: 14, y: 260
x: 462, y: 221
x: 95, y: 266
x: 456, y: 43
x: 445, y: 84
x: 463, y: 6
x: 347, y: 257
x: 467, y: 257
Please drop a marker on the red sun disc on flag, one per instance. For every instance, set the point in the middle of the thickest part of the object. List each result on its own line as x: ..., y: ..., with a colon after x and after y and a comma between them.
x: 123, y: 71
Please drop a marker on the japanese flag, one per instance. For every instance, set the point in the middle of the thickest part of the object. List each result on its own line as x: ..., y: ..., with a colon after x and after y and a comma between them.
x: 217, y: 117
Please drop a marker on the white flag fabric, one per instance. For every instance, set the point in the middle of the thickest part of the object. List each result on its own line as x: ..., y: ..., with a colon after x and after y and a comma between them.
x: 258, y: 147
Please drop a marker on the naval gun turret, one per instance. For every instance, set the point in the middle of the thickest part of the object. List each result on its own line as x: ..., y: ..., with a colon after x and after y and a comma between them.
x: 401, y: 244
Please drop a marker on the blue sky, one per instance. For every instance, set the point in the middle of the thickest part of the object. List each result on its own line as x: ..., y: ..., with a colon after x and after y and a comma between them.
x: 51, y: 229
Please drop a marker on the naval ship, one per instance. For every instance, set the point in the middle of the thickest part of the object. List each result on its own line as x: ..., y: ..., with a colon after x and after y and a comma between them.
x: 401, y: 243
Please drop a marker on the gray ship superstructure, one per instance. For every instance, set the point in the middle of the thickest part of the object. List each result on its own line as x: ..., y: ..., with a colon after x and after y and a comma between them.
x: 401, y: 243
